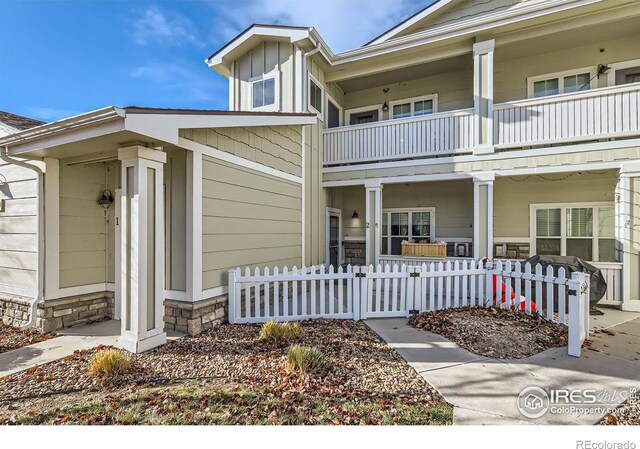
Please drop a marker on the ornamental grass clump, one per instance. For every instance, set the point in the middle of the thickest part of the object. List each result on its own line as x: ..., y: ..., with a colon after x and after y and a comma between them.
x: 109, y: 362
x: 279, y: 332
x: 306, y: 360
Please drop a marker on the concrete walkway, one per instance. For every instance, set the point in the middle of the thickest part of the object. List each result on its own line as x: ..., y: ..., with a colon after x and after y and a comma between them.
x: 70, y: 340
x: 485, y: 391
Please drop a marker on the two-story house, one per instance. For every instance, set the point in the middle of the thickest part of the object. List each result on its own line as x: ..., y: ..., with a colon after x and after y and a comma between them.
x: 498, y: 129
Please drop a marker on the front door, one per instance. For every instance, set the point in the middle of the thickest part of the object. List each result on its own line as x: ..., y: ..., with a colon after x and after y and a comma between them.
x: 334, y: 245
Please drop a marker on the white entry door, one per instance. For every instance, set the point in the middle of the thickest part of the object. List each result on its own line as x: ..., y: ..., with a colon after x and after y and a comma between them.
x: 334, y: 237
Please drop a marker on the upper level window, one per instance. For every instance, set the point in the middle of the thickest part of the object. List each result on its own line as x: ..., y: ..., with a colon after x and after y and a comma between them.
x: 583, y: 231
x: 264, y: 93
x: 315, y: 95
x: 413, y: 106
x: 560, y: 83
x: 363, y: 115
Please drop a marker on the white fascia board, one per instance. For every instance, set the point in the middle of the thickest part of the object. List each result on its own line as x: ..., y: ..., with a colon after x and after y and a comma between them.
x: 439, y: 4
x: 165, y: 127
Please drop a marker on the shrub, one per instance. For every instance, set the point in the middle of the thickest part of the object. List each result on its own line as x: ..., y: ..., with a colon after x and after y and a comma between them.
x: 109, y: 362
x: 306, y: 360
x: 279, y: 332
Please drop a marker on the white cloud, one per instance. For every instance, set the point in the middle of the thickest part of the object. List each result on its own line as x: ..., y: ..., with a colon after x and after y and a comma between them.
x: 184, y: 80
x: 157, y: 26
x: 51, y: 114
x: 344, y: 24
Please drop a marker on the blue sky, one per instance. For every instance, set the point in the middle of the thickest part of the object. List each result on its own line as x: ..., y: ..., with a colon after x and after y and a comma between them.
x: 60, y: 58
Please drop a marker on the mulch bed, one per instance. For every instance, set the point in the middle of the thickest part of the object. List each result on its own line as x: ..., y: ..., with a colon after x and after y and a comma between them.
x: 367, y: 382
x: 495, y: 333
x: 14, y: 338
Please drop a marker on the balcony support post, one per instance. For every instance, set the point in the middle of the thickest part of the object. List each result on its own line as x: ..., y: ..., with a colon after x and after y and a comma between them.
x: 627, y: 232
x: 373, y: 224
x: 483, y: 215
x: 483, y: 96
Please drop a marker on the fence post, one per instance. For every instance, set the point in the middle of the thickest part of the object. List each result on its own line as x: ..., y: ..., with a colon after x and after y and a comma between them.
x: 232, y: 296
x: 355, y: 297
x: 490, y: 295
x: 578, y: 290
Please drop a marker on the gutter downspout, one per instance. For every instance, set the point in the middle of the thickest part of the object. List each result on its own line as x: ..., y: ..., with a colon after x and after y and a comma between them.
x: 4, y: 156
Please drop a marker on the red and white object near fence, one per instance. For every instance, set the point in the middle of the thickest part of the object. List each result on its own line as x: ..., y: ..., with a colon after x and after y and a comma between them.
x: 361, y: 292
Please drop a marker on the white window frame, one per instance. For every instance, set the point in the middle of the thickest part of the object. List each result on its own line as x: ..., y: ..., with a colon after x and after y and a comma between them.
x: 611, y: 76
x: 560, y: 75
x: 328, y: 99
x: 276, y: 92
x: 533, y: 208
x: 373, y: 107
x: 323, y: 100
x: 410, y: 211
x: 412, y: 101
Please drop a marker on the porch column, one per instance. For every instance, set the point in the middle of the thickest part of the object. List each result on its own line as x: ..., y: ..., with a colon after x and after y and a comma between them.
x: 142, y: 248
x: 373, y: 222
x: 483, y: 96
x: 628, y: 233
x: 483, y: 215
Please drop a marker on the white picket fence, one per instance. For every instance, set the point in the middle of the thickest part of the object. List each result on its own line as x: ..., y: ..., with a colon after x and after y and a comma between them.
x: 364, y: 292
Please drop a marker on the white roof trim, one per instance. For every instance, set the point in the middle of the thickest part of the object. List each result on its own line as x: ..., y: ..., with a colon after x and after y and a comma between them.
x: 435, y: 6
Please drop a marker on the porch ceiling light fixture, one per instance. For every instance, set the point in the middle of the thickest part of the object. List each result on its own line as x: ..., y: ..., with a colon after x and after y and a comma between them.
x: 355, y: 214
x: 385, y: 106
x: 106, y: 199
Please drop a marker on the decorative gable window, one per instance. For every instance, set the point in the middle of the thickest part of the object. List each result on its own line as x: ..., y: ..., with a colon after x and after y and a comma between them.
x: 584, y: 231
x: 264, y: 92
x: 412, y: 107
x: 315, y: 95
x: 561, y: 83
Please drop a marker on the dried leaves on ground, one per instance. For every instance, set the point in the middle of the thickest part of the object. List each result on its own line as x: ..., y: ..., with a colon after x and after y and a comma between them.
x: 239, y: 381
x: 495, y: 333
x: 13, y: 338
x: 628, y: 414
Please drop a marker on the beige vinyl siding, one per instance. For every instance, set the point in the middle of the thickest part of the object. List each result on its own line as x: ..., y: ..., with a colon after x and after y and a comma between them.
x: 453, y: 201
x: 454, y: 89
x: 315, y: 196
x: 482, y: 165
x: 513, y: 195
x: 86, y: 244
x: 18, y: 228
x: 264, y: 59
x: 277, y: 147
x: 175, y: 202
x: 248, y: 219
x: 510, y: 76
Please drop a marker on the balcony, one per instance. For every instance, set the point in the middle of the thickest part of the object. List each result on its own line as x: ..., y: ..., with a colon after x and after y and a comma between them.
x: 610, y: 112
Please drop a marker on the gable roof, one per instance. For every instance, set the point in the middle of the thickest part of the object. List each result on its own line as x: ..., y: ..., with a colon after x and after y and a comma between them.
x: 11, y: 123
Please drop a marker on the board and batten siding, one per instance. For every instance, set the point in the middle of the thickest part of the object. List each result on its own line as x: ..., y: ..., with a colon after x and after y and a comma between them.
x: 249, y: 218
x: 264, y: 58
x: 18, y: 229
x: 87, y: 231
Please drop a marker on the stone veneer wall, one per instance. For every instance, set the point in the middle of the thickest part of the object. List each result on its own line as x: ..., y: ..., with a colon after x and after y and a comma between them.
x: 74, y: 311
x: 355, y: 252
x: 193, y: 318
x: 14, y: 310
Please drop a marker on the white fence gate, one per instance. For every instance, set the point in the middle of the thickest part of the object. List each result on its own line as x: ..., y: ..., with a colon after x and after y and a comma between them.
x: 399, y: 291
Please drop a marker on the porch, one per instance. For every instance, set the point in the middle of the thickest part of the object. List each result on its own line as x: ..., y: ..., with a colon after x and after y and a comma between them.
x: 508, y: 218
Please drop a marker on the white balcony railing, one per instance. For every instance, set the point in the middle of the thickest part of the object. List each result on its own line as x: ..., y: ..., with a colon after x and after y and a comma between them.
x: 426, y: 135
x: 610, y: 112
x: 599, y: 113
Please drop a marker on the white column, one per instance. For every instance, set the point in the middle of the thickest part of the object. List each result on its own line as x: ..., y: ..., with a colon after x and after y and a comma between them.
x: 194, y: 225
x: 483, y: 96
x: 142, y: 248
x: 483, y: 215
x: 373, y: 223
x: 52, y: 228
x: 628, y: 233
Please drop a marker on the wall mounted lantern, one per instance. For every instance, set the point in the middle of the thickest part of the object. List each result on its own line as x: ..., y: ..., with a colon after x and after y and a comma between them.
x: 355, y: 214
x: 106, y: 199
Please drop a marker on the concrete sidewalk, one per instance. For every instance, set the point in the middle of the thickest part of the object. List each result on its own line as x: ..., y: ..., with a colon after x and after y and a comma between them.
x: 485, y: 391
x: 70, y: 340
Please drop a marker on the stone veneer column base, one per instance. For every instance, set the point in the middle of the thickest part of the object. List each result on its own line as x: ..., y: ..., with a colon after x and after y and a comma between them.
x: 193, y: 318
x: 74, y: 311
